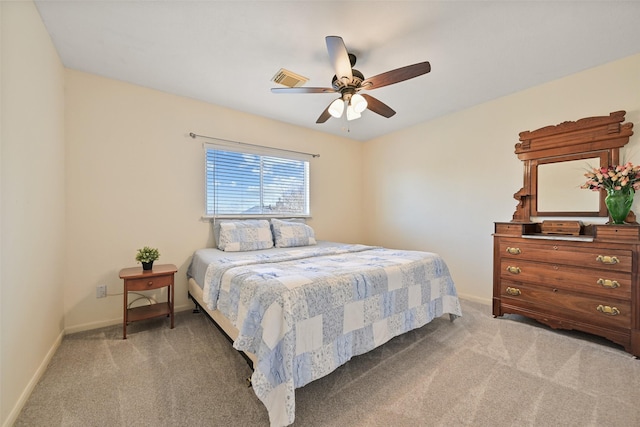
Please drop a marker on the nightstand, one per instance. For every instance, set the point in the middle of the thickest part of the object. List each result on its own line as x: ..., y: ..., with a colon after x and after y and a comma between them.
x: 137, y: 279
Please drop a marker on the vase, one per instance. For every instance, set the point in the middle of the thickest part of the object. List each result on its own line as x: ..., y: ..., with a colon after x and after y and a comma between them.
x: 147, y: 265
x: 619, y: 204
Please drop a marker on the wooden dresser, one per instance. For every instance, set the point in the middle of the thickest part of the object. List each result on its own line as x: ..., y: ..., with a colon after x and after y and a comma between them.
x: 588, y: 282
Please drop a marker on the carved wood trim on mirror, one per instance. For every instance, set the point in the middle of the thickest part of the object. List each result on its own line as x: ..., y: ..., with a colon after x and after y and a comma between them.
x: 585, y: 143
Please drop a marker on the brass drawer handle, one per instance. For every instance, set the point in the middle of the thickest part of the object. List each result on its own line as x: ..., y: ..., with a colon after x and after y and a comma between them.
x: 150, y: 283
x: 513, y: 251
x: 513, y: 291
x: 605, y: 259
x: 605, y: 309
x: 606, y: 283
x: 513, y: 270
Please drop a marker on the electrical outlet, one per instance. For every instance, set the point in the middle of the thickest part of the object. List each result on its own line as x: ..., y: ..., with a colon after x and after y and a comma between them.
x: 101, y: 291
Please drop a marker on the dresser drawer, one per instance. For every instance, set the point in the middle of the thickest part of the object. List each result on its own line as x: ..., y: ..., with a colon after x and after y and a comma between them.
x: 608, y: 284
x: 142, y: 284
x: 616, y: 233
x: 562, y: 303
x: 558, y: 252
x: 516, y: 228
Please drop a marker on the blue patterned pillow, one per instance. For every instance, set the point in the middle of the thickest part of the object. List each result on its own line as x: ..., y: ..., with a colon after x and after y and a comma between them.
x: 288, y: 234
x: 248, y: 235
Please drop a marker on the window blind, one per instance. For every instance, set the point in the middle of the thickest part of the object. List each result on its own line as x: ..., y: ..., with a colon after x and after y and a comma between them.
x: 249, y: 184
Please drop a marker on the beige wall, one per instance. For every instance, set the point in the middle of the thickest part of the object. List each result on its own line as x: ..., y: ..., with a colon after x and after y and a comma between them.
x: 93, y: 172
x: 33, y: 194
x: 135, y: 178
x: 439, y: 186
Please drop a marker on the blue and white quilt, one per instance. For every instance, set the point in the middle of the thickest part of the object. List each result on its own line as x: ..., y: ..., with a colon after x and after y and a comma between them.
x: 306, y: 311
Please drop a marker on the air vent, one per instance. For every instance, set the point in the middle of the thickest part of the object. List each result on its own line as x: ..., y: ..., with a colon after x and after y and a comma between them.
x: 288, y: 78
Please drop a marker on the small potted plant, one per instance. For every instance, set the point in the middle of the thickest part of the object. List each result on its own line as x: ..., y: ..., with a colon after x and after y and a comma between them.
x: 146, y: 256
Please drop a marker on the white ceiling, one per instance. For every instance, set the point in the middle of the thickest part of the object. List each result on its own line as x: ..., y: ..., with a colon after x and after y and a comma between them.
x: 226, y: 52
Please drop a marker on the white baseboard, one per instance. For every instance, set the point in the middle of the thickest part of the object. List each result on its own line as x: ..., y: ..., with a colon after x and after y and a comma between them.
x: 475, y: 298
x: 117, y: 321
x: 13, y: 415
x: 92, y: 325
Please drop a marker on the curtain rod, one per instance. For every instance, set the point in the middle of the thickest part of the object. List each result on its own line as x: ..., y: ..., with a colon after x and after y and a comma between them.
x: 193, y: 135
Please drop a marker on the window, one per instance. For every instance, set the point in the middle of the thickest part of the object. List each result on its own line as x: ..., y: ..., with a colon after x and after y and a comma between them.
x: 241, y: 183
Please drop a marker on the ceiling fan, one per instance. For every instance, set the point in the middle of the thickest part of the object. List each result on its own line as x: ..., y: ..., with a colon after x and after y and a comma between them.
x: 348, y: 82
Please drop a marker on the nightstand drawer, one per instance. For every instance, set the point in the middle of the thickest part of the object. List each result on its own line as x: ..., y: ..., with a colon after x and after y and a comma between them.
x: 145, y: 283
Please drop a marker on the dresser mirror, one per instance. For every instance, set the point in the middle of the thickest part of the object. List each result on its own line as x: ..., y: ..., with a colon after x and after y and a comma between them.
x: 557, y: 184
x: 555, y: 159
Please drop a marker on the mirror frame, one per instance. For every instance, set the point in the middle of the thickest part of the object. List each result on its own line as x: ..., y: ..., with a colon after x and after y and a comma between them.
x: 590, y: 137
x: 603, y: 160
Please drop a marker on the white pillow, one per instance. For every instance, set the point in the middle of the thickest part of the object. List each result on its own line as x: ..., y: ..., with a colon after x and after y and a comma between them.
x: 247, y: 235
x: 289, y: 234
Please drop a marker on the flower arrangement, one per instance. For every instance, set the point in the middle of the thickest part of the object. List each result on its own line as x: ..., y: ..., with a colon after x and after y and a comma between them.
x: 147, y: 254
x: 613, y: 178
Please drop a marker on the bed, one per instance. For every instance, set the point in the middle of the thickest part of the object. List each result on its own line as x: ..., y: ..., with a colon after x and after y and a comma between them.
x: 300, y: 308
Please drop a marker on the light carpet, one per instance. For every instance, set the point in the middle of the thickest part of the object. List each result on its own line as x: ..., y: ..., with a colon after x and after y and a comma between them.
x: 476, y: 371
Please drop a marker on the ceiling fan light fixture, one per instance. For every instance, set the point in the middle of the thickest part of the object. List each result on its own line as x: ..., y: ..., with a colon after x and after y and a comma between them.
x: 352, y: 114
x: 358, y: 103
x: 336, y: 108
x: 347, y: 81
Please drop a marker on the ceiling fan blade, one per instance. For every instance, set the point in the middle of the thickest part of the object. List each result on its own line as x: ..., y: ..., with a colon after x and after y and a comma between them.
x: 339, y: 58
x: 302, y: 90
x: 324, y: 116
x: 378, y: 106
x: 397, y: 75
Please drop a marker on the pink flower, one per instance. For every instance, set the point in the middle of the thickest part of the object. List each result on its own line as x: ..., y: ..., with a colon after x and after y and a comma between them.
x: 615, y: 177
